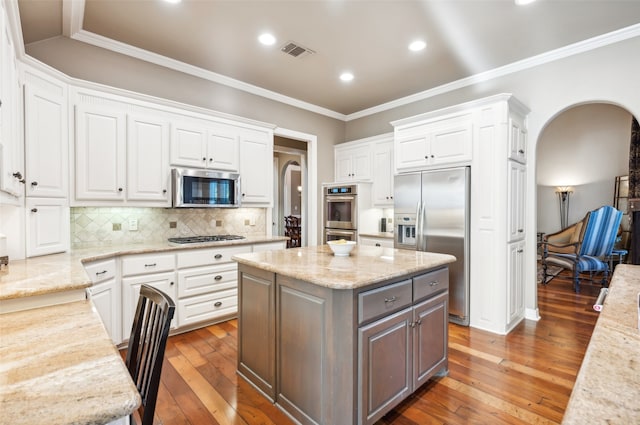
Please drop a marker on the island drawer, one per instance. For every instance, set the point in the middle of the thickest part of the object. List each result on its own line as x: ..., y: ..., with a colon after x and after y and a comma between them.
x: 384, y: 300
x: 143, y: 264
x: 430, y: 283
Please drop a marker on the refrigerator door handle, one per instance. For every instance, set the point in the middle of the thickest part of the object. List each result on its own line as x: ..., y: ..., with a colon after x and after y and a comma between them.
x: 423, y: 231
x: 418, y: 225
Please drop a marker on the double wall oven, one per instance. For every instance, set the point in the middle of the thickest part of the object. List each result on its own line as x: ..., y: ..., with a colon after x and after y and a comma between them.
x: 340, y: 212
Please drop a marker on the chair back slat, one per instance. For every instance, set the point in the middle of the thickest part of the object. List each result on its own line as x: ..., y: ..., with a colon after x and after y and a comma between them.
x: 600, y: 235
x: 147, y: 343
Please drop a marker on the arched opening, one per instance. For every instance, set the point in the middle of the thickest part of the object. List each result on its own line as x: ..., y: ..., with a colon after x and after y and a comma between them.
x: 583, y: 147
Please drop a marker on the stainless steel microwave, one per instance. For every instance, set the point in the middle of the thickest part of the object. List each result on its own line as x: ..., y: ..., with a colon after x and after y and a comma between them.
x: 205, y: 189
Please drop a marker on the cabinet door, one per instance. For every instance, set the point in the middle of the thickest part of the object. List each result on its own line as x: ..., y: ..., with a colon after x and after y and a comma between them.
x: 361, y: 163
x: 383, y: 176
x: 47, y: 226
x: 431, y: 319
x: 411, y: 151
x: 450, y: 143
x: 385, y: 364
x: 46, y: 144
x: 342, y: 165
x: 188, y: 145
x: 516, y: 201
x: 517, y: 141
x: 106, y: 298
x: 515, y: 283
x: 222, y: 148
x: 131, y: 291
x: 100, y: 153
x: 147, y: 159
x: 256, y: 163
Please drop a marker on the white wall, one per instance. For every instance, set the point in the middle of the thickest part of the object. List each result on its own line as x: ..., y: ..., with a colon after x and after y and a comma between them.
x: 585, y: 147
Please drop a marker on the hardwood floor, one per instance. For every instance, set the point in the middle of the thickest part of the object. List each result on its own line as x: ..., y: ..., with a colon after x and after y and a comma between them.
x: 525, y: 377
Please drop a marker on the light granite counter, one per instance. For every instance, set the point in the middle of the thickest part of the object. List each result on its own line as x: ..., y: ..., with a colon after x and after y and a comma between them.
x: 366, y: 265
x: 59, y: 366
x: 64, y: 272
x: 607, y: 390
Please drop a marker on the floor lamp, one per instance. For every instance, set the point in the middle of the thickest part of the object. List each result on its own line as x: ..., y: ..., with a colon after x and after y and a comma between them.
x: 563, y: 196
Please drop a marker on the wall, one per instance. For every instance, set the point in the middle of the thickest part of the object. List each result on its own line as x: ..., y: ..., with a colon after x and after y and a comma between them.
x: 94, y: 226
x: 585, y: 147
x: 86, y: 62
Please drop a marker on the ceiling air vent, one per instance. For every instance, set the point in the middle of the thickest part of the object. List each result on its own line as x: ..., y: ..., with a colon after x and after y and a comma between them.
x: 295, y: 50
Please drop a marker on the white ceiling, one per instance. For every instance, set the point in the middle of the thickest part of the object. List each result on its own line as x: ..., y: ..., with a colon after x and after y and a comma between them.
x: 218, y: 40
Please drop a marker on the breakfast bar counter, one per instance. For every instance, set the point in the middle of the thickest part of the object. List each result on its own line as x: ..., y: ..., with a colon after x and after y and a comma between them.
x: 341, y: 339
x: 59, y: 366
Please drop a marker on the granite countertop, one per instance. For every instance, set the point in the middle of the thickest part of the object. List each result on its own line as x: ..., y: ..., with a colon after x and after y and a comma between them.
x: 59, y: 366
x: 607, y: 389
x: 62, y: 272
x: 365, y: 266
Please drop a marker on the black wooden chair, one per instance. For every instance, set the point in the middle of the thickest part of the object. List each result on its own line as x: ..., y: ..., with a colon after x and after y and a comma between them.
x: 147, y: 342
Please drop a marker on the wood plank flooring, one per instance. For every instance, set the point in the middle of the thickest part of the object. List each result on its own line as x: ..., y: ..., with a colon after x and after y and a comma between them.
x: 525, y: 377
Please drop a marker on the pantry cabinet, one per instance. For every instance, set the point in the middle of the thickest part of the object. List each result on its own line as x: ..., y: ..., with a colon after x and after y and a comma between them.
x: 515, y: 282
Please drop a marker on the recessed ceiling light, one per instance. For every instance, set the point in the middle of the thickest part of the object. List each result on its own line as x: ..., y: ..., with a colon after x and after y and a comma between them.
x: 267, y: 39
x: 417, y: 45
x: 523, y: 2
x: 346, y: 76
x: 173, y: 1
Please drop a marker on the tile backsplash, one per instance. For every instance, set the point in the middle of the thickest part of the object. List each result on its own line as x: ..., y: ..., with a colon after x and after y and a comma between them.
x: 94, y: 226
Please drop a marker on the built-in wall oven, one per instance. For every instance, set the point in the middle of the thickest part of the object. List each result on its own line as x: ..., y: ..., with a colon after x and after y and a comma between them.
x: 340, y: 212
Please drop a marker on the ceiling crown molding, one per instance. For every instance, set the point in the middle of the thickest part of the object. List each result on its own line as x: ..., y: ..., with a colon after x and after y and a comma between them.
x: 73, y: 14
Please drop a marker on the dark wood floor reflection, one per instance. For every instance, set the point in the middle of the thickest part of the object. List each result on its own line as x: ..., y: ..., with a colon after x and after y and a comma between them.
x: 525, y: 377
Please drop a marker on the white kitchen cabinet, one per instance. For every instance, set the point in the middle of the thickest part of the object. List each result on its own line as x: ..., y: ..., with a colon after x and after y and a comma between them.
x: 148, y: 177
x: 376, y: 241
x: 516, y: 201
x: 420, y: 145
x: 106, y: 295
x: 383, y: 165
x: 515, y: 282
x: 209, y: 145
x: 100, y: 153
x: 46, y: 143
x: 352, y: 162
x: 11, y: 147
x: 166, y: 282
x: 517, y: 140
x: 256, y: 167
x: 47, y: 229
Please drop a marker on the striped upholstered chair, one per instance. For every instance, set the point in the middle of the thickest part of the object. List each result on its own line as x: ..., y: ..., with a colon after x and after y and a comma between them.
x: 590, y: 255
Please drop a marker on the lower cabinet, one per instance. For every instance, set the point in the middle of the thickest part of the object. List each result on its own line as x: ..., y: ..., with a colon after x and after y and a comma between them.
x: 166, y: 282
x: 105, y: 293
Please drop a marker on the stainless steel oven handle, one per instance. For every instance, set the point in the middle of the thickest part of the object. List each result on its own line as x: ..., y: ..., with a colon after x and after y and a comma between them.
x: 339, y: 198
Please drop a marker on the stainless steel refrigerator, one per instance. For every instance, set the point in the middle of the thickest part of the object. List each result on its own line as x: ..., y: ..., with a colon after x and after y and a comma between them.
x: 431, y: 210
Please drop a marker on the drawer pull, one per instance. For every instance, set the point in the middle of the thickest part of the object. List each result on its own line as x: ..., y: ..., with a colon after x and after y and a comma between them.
x: 102, y: 272
x: 218, y: 277
x: 217, y: 256
x: 171, y: 283
x: 434, y: 283
x: 150, y: 265
x: 218, y: 304
x: 390, y: 300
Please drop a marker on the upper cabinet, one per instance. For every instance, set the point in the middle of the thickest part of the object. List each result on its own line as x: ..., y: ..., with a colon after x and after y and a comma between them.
x: 433, y: 142
x: 382, y: 187
x: 100, y: 153
x: 205, y: 145
x: 256, y: 167
x: 46, y: 139
x: 352, y: 161
x: 517, y: 140
x: 11, y: 146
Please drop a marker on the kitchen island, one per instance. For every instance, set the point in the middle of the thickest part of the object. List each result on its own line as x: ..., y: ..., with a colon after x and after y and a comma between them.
x: 341, y: 340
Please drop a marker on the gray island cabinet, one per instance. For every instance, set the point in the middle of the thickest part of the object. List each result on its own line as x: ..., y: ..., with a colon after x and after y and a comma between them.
x: 341, y: 340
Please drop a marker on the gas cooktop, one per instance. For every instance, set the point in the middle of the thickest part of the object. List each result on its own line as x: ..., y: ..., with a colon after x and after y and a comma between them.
x: 201, y: 239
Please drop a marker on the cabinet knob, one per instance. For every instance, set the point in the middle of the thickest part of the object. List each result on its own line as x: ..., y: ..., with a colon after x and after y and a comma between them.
x: 218, y: 277
x: 204, y: 158
x: 34, y: 210
x: 34, y: 183
x: 171, y: 283
x: 210, y: 159
x: 521, y: 151
x: 17, y: 175
x: 520, y: 230
x: 520, y: 251
x: 164, y: 190
x: 243, y: 195
x: 390, y: 300
x: 218, y: 304
x: 119, y: 189
x: 377, y: 244
x: 433, y: 156
x: 217, y: 256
